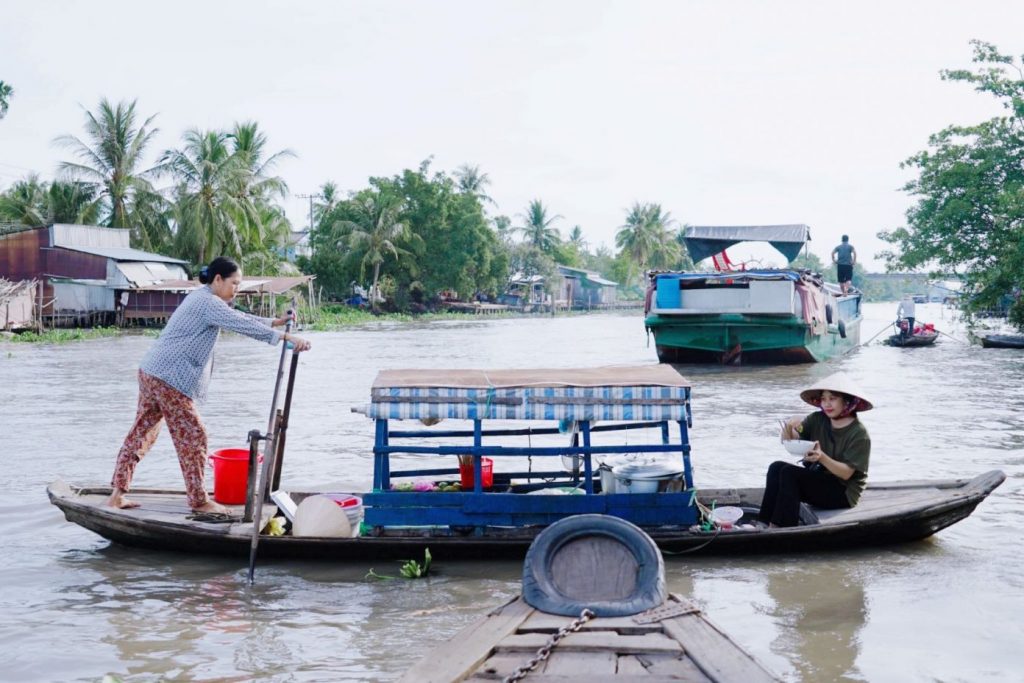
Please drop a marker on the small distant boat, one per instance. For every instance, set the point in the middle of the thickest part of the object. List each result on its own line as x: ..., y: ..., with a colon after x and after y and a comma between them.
x: 921, y: 338
x: 736, y: 315
x: 594, y: 607
x: 1003, y: 341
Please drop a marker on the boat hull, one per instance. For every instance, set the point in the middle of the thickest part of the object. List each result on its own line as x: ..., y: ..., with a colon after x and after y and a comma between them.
x: 1003, y: 341
x: 887, y: 514
x: 739, y: 338
x: 924, y: 339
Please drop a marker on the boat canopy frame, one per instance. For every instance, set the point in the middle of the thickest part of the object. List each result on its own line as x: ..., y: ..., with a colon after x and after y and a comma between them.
x: 642, y: 397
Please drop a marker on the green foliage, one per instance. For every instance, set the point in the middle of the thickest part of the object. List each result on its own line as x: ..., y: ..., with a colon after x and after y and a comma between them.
x: 5, y: 97
x: 63, y: 336
x: 438, y: 239
x: 538, y: 227
x: 410, y: 569
x: 110, y: 157
x: 968, y: 218
x: 647, y: 239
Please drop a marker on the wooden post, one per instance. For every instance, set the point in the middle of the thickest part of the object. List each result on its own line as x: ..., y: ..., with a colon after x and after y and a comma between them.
x: 40, y: 322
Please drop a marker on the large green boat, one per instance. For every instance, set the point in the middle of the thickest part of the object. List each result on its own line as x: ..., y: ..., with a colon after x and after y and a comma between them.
x: 772, y: 315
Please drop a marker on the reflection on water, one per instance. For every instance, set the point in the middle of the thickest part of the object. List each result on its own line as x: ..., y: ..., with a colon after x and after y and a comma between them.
x: 76, y: 608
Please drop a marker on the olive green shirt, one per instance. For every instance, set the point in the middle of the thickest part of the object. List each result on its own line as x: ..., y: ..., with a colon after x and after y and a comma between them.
x: 850, y: 445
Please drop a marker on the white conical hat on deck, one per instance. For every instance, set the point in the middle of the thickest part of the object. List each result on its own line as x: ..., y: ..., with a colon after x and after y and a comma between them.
x: 837, y: 383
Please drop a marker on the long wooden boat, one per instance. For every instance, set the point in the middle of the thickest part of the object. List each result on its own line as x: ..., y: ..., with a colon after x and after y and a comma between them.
x: 749, y: 316
x: 503, y: 518
x: 924, y: 338
x: 1003, y: 341
x: 887, y: 514
x: 632, y: 628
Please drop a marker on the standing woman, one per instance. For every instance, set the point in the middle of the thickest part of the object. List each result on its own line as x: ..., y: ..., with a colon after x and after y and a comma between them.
x: 174, y: 375
x: 835, y: 469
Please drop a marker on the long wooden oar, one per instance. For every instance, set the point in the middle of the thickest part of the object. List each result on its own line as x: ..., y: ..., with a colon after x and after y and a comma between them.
x: 269, y: 454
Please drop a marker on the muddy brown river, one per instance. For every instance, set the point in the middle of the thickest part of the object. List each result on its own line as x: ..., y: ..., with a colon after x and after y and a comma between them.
x: 73, y: 607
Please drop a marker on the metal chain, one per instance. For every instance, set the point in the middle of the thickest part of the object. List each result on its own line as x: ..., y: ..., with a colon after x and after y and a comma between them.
x: 545, y: 651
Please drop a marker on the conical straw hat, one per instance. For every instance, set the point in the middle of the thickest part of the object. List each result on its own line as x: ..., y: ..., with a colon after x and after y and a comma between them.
x: 837, y: 383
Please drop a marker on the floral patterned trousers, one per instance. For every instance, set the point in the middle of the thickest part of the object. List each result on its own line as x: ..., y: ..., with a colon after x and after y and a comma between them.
x: 158, y: 401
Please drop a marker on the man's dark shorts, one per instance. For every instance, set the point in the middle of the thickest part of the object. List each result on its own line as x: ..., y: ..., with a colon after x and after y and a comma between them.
x: 844, y: 273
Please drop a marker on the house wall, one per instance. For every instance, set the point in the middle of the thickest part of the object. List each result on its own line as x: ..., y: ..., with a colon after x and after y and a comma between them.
x: 75, y: 264
x: 22, y: 256
x: 151, y: 304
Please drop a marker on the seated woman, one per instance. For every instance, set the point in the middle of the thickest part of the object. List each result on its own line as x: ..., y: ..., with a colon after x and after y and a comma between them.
x: 835, y: 469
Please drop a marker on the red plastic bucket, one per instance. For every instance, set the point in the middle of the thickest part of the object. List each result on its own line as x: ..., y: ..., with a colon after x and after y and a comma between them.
x: 486, y: 473
x: 230, y: 475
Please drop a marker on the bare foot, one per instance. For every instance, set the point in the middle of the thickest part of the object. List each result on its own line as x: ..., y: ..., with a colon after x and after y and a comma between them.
x: 210, y: 506
x: 117, y: 500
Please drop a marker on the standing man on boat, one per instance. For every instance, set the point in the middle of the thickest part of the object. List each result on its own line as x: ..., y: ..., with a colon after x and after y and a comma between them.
x: 174, y: 374
x: 906, y: 311
x: 844, y: 256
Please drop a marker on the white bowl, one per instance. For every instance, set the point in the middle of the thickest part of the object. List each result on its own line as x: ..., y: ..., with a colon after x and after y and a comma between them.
x: 798, y: 446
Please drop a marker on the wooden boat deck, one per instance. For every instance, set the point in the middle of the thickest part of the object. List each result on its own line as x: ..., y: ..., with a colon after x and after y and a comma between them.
x: 683, y: 647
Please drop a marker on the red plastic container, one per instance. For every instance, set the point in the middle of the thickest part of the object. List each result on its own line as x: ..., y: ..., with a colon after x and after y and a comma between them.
x: 230, y: 475
x: 486, y: 474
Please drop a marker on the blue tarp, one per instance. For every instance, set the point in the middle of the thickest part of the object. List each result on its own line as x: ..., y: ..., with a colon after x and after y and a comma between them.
x: 703, y: 241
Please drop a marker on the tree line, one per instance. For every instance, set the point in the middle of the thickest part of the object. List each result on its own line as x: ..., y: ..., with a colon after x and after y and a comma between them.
x: 968, y: 215
x: 410, y: 237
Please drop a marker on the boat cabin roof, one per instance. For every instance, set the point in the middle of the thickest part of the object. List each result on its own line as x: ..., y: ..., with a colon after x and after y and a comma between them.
x: 644, y: 392
x: 703, y: 241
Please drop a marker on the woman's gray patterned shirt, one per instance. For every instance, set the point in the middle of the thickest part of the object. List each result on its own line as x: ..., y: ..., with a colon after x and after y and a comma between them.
x: 183, y: 354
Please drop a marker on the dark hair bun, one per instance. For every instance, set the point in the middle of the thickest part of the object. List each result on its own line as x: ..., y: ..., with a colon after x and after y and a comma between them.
x: 221, y: 265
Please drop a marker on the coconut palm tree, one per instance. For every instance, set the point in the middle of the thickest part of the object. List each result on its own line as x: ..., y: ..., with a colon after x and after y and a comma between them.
x: 376, y: 233
x: 576, y: 239
x: 327, y: 200
x: 472, y: 181
x: 646, y: 237
x: 207, y: 203
x: 5, y: 96
x: 72, y: 202
x: 255, y: 185
x: 110, y: 157
x: 537, y: 227
x: 24, y: 203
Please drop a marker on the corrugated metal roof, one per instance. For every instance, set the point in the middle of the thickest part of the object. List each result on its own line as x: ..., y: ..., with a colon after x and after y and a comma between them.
x: 148, y: 273
x: 124, y: 254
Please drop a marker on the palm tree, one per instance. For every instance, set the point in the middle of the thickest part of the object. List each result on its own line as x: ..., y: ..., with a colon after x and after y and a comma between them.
x: 24, y: 202
x: 207, y: 204
x: 376, y: 232
x: 537, y: 228
x: 646, y: 237
x: 576, y: 239
x: 327, y: 200
x: 255, y: 186
x: 110, y: 157
x: 72, y: 202
x: 472, y: 181
x: 5, y: 95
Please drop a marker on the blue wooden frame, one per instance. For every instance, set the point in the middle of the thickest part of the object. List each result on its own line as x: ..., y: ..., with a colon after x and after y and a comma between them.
x: 474, y: 510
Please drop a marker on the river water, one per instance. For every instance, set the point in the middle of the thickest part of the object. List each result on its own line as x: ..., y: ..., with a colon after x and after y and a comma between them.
x: 73, y: 607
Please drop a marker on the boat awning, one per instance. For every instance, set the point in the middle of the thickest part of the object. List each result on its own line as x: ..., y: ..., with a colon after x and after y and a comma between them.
x: 703, y: 241
x: 738, y: 276
x: 647, y: 392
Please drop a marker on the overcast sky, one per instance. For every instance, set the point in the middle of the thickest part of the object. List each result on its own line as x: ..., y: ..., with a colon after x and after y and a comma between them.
x: 726, y: 113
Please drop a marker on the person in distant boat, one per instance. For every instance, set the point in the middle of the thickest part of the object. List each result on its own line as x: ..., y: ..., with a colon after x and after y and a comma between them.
x: 905, y: 311
x: 835, y: 470
x: 174, y: 375
x: 844, y: 256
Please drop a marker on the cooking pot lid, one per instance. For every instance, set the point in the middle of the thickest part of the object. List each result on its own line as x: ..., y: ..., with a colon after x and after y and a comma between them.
x: 649, y: 469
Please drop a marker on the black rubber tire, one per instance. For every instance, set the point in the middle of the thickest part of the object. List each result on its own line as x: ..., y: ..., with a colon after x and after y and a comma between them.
x: 828, y: 313
x: 541, y: 592
x: 842, y: 329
